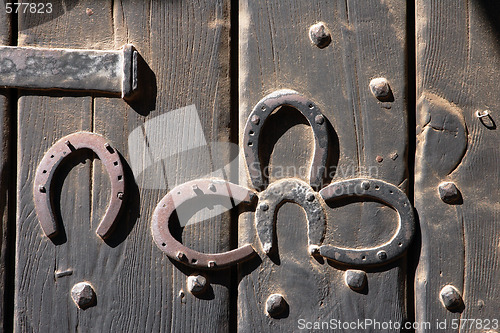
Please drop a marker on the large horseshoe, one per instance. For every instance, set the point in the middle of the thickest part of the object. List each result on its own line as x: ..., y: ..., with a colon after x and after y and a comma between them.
x: 257, y: 119
x: 160, y: 225
x: 389, y: 195
x: 290, y: 190
x: 42, y: 191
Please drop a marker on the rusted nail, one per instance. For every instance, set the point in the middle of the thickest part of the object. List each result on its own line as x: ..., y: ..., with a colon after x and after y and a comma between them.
x: 120, y: 195
x: 382, y: 255
x: 275, y: 305
x: 451, y: 298
x: 310, y: 197
x: 83, y: 295
x: 196, y: 284
x: 181, y: 256
x: 320, y: 35
x: 355, y: 279
x: 41, y: 188
x: 380, y: 88
x: 255, y: 119
x: 211, y: 264
x: 449, y: 192
x: 89, y: 11
x: 319, y: 119
x: 264, y: 206
x: 379, y: 159
x: 60, y: 274
x: 365, y: 185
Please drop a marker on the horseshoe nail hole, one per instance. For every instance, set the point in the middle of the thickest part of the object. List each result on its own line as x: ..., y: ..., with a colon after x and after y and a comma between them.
x: 391, y: 192
x: 400, y: 244
x: 377, y: 187
x: 194, y: 261
x: 263, y: 108
x: 250, y: 143
x: 120, y: 177
x: 115, y: 163
x: 179, y: 192
x: 405, y: 204
x: 44, y: 171
x: 251, y: 133
x: 311, y: 106
x: 164, y: 206
x: 363, y: 257
x: 51, y: 156
x: 163, y: 244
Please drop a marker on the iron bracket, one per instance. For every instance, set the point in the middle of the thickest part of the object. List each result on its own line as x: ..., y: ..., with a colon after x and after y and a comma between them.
x: 112, y: 72
x: 46, y: 171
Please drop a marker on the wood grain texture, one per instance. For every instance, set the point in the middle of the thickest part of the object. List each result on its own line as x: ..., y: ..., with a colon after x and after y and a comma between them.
x: 457, y: 73
x: 138, y: 288
x: 6, y: 199
x: 368, y: 41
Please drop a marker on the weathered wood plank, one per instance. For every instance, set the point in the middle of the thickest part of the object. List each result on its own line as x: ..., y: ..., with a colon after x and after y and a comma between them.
x: 457, y: 73
x: 137, y: 286
x: 6, y: 169
x: 183, y: 104
x: 368, y: 41
x: 42, y: 300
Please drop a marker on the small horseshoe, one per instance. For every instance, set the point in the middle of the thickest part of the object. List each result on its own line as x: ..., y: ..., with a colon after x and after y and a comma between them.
x: 290, y: 190
x: 177, y: 196
x: 389, y: 195
x: 257, y: 119
x: 42, y: 191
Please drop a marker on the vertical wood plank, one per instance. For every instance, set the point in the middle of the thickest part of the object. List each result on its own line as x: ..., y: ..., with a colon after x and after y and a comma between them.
x: 368, y: 41
x: 6, y: 169
x: 457, y: 72
x: 185, y: 98
x: 42, y: 299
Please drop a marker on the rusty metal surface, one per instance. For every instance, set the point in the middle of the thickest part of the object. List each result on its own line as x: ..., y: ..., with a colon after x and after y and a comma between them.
x: 112, y: 72
x: 387, y: 194
x: 257, y: 119
x: 289, y: 190
x: 47, y: 171
x: 198, y: 189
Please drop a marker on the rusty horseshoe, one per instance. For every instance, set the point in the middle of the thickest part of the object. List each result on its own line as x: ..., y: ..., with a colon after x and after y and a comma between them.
x: 290, y: 190
x: 160, y: 225
x: 257, y: 119
x: 391, y: 196
x: 42, y: 188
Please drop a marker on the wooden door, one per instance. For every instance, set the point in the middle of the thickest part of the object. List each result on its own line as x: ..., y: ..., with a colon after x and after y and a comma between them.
x: 404, y: 94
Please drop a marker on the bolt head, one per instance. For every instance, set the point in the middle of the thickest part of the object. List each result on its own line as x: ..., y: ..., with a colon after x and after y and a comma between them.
x: 320, y: 35
x: 382, y: 255
x: 275, y: 305
x: 255, y: 119
x: 264, y: 206
x: 451, y: 298
x: 449, y: 193
x: 319, y: 119
x: 83, y: 295
x: 310, y: 197
x: 355, y: 279
x: 380, y: 88
x: 196, y: 284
